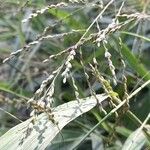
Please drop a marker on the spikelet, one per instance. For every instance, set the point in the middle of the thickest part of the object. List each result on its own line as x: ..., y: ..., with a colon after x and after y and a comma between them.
x: 42, y: 11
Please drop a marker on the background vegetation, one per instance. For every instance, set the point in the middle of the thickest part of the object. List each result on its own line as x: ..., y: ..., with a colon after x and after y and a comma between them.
x: 53, y: 52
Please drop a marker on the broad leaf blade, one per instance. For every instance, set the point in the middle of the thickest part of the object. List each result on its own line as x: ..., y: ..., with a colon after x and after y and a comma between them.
x: 44, y: 130
x: 136, y: 140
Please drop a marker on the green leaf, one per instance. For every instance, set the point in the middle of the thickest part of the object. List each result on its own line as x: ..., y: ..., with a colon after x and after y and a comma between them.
x: 134, y: 63
x: 5, y: 87
x: 135, y: 141
x: 137, y: 35
x: 44, y: 130
x: 68, y: 18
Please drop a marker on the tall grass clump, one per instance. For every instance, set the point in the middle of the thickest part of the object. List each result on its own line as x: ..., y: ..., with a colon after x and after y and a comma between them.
x: 76, y: 75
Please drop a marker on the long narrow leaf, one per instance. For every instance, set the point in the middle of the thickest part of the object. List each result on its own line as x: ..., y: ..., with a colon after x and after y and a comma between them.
x: 135, y: 141
x: 137, y: 35
x: 134, y: 63
x: 44, y: 130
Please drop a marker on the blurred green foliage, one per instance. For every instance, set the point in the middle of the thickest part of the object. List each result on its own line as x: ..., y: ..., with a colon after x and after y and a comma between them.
x: 21, y: 76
